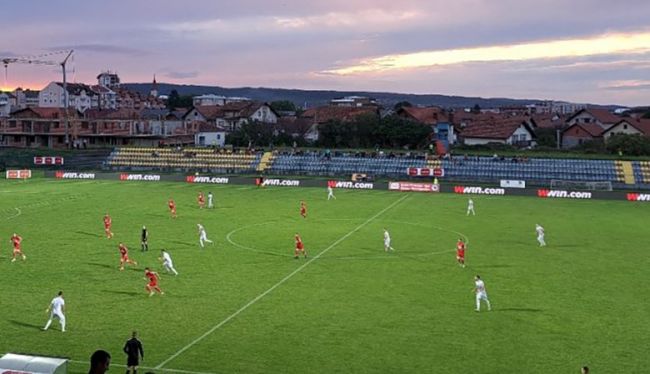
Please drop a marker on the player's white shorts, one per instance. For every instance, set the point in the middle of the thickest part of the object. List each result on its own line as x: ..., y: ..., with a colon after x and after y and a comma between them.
x: 540, y: 238
x: 203, y: 236
x: 58, y: 315
x: 481, y: 296
x: 386, y: 243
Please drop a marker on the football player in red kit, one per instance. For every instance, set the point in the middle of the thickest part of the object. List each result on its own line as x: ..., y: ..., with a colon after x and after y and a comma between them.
x: 16, y: 240
x: 460, y: 252
x: 108, y: 222
x: 201, y: 200
x: 300, y: 247
x: 303, y: 209
x: 152, y: 286
x: 172, y: 207
x: 124, y: 257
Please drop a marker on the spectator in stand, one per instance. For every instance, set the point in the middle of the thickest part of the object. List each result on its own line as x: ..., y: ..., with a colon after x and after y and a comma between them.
x: 99, y: 362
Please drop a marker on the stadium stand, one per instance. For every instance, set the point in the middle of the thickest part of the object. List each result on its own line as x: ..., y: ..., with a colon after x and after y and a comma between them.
x: 632, y: 174
x: 185, y: 159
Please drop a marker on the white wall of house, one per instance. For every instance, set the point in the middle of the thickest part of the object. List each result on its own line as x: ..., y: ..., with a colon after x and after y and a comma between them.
x: 520, y: 135
x: 264, y: 114
x: 5, y: 105
x: 208, y: 100
x: 210, y: 139
x: 52, y: 96
x: 621, y: 128
x: 482, y: 141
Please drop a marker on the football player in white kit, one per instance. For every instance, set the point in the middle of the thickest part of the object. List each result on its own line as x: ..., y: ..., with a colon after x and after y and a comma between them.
x: 481, y: 293
x: 56, y: 309
x: 387, y: 245
x: 210, y: 203
x: 330, y: 193
x: 470, y: 207
x: 540, y: 235
x: 167, y: 262
x: 203, y: 237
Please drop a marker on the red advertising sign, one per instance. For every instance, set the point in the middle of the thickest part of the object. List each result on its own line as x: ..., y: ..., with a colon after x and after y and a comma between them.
x: 48, y: 160
x: 426, y: 172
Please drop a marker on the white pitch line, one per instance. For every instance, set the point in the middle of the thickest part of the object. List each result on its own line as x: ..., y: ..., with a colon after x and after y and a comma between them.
x: 15, y: 215
x: 147, y: 368
x: 260, y: 296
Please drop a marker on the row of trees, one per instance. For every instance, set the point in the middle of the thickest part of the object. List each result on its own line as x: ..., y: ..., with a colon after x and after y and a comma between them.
x: 366, y: 131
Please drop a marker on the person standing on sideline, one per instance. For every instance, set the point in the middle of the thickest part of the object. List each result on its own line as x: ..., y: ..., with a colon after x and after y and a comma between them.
x: 330, y: 193
x: 133, y: 350
x: 540, y: 235
x: 144, y: 239
x: 210, y: 204
x: 56, y: 309
x: 481, y: 293
x: 167, y: 262
x: 99, y: 362
x: 203, y: 236
x: 470, y: 207
x: 387, y: 245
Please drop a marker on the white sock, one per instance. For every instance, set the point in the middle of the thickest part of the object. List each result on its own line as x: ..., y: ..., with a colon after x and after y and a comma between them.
x: 47, y: 325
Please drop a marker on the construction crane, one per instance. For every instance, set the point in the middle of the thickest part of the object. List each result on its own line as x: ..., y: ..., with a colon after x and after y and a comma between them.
x: 39, y: 60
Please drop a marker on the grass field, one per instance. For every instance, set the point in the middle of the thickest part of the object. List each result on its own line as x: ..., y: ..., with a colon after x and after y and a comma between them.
x: 244, y: 305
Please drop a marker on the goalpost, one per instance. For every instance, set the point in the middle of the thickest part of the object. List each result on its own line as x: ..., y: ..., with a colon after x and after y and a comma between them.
x: 559, y: 184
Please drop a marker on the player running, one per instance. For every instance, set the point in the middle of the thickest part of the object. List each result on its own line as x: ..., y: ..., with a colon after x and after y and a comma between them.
x: 152, y: 277
x: 540, y: 235
x: 387, y: 245
x: 172, y: 207
x: 303, y: 209
x: 470, y: 207
x: 201, y: 200
x: 16, y: 240
x: 210, y: 204
x: 167, y: 262
x: 144, y: 239
x: 300, y: 247
x: 330, y: 193
x: 203, y: 236
x: 124, y: 257
x: 56, y: 309
x: 481, y: 293
x: 460, y: 252
x: 108, y: 223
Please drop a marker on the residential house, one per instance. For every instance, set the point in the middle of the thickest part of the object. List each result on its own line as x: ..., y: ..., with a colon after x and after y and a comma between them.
x: 25, y: 98
x: 587, y: 125
x: 629, y: 126
x: 80, y: 96
x: 208, y: 135
x: 7, y: 101
x: 38, y: 127
x: 436, y: 118
x: 231, y: 116
x: 516, y: 131
x: 108, y: 79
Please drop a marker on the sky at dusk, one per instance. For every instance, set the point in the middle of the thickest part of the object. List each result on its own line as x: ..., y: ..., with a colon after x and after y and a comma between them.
x: 595, y: 51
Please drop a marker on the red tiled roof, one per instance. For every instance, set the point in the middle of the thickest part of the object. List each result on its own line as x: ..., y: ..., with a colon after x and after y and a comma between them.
x: 51, y: 113
x: 593, y: 129
x: 545, y: 121
x: 208, y: 127
x: 428, y: 116
x: 210, y: 112
x: 603, y: 116
x: 502, y: 128
x: 325, y: 114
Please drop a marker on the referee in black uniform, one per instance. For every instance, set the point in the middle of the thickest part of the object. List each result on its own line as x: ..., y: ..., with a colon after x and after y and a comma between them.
x: 145, y: 239
x: 133, y: 350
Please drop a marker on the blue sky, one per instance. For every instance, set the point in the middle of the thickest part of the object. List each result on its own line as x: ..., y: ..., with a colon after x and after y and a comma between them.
x: 580, y: 50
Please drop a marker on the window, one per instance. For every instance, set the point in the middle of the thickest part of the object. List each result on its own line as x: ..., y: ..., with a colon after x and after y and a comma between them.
x: 218, y: 136
x: 624, y: 127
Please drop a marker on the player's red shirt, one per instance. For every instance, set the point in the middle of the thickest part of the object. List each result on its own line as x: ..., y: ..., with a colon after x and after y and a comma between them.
x: 201, y: 198
x: 460, y: 249
x: 123, y: 250
x: 16, y: 241
x: 153, y: 277
x: 107, y: 221
x: 303, y: 207
x: 172, y: 204
x: 299, y: 244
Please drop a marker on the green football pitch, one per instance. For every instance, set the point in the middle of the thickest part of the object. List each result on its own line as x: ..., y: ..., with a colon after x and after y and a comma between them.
x: 245, y: 305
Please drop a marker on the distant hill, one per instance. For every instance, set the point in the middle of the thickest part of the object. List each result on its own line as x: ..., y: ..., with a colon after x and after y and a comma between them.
x: 320, y: 97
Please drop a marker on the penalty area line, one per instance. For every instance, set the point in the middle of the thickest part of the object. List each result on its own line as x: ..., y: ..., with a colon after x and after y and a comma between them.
x: 278, y: 284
